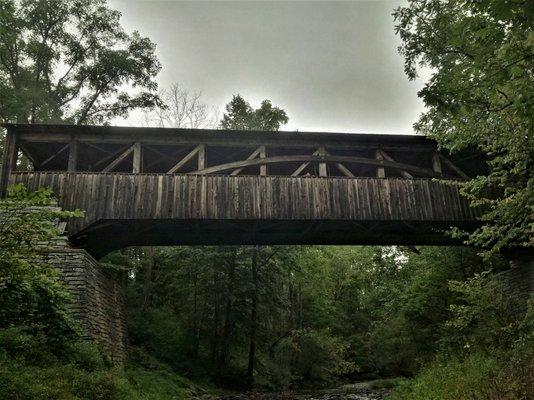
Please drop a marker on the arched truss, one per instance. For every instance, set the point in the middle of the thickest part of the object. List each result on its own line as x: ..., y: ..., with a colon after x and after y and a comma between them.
x: 195, y: 161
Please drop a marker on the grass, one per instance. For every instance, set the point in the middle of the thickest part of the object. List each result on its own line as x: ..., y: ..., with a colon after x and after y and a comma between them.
x: 386, y: 383
x: 478, y: 377
x: 153, y: 380
x: 31, y: 370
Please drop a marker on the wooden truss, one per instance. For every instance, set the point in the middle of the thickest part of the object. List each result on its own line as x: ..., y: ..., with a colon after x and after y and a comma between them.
x: 261, y: 155
x: 259, y: 158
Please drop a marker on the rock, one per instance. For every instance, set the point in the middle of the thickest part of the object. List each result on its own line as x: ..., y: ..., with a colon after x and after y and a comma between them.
x: 352, y: 392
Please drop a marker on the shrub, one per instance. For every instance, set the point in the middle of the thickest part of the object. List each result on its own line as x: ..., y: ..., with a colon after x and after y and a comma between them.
x: 158, y: 331
x: 452, y: 380
x: 503, y: 370
x: 85, y: 355
x: 307, y: 355
x: 32, y: 369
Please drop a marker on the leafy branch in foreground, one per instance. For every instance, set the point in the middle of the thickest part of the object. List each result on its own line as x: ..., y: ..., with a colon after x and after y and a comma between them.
x: 31, y: 295
x: 480, y: 55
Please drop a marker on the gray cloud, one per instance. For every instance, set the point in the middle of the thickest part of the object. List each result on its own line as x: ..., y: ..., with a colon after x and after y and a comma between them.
x: 333, y: 66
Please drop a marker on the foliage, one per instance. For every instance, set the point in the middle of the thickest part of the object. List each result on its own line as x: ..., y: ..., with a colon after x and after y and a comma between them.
x: 316, y: 356
x: 153, y: 380
x: 478, y: 376
x: 71, y: 61
x: 408, y: 304
x: 241, y: 116
x: 488, y: 352
x: 30, y: 369
x: 323, y: 313
x: 453, y: 380
x: 159, y: 385
x: 482, y: 320
x: 31, y: 295
x: 480, y: 56
x: 158, y: 330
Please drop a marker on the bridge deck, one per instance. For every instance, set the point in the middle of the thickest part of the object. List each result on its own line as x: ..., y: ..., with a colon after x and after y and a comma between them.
x: 166, y: 208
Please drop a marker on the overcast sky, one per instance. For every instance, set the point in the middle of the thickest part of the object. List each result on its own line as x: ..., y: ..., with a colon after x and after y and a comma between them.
x: 333, y: 66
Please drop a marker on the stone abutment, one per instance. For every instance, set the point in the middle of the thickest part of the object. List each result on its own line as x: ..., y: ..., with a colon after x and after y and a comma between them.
x: 518, y: 281
x: 96, y: 298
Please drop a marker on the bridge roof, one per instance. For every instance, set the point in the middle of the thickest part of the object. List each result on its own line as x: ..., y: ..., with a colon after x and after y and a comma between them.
x: 148, y: 132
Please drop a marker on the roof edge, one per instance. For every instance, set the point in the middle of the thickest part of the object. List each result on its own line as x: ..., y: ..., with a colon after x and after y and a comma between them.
x: 124, y: 130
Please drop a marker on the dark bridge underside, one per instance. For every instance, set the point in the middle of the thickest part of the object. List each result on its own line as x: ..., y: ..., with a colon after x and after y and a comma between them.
x: 105, y: 236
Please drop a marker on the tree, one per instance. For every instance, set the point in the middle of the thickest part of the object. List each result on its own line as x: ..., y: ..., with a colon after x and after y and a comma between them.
x: 241, y: 116
x: 71, y: 61
x: 182, y: 109
x: 480, y: 55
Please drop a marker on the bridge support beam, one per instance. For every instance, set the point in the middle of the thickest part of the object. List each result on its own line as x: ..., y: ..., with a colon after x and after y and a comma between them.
x: 96, y: 299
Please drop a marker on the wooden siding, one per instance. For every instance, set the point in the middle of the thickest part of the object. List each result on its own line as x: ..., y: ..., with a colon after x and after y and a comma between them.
x: 114, y: 196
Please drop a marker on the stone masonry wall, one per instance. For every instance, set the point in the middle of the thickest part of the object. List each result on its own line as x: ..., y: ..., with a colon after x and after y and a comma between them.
x: 518, y: 281
x: 96, y: 297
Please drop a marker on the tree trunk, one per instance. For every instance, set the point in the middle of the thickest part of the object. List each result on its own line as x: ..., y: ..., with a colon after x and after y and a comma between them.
x: 253, y: 318
x: 300, y: 308
x: 148, y: 287
x: 216, y: 317
x: 196, y: 322
x: 225, y: 340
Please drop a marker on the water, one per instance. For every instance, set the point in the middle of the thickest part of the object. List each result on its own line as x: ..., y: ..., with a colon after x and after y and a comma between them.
x: 359, y: 391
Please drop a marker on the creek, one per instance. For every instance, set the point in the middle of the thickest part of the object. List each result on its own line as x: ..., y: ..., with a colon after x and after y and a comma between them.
x: 357, y: 391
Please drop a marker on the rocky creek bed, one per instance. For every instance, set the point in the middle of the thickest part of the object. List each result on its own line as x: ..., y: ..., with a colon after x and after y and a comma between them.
x: 357, y: 391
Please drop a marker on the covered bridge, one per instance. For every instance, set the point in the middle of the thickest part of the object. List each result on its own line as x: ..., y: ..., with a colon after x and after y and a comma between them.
x: 161, y: 186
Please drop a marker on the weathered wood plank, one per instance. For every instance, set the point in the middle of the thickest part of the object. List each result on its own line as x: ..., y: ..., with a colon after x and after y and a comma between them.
x: 319, y: 159
x: 73, y: 156
x: 387, y: 157
x: 304, y: 165
x: 453, y: 167
x: 126, y: 197
x: 111, y: 166
x: 263, y: 167
x: 190, y: 137
x: 253, y: 155
x: 137, y: 164
x: 184, y: 160
x: 380, y: 171
x: 322, y: 165
x: 436, y: 163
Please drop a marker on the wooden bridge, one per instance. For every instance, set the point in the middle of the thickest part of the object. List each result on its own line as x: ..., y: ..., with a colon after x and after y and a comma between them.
x: 157, y: 186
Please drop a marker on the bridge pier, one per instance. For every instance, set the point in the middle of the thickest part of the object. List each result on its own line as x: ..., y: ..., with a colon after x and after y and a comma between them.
x: 518, y: 281
x: 96, y: 297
